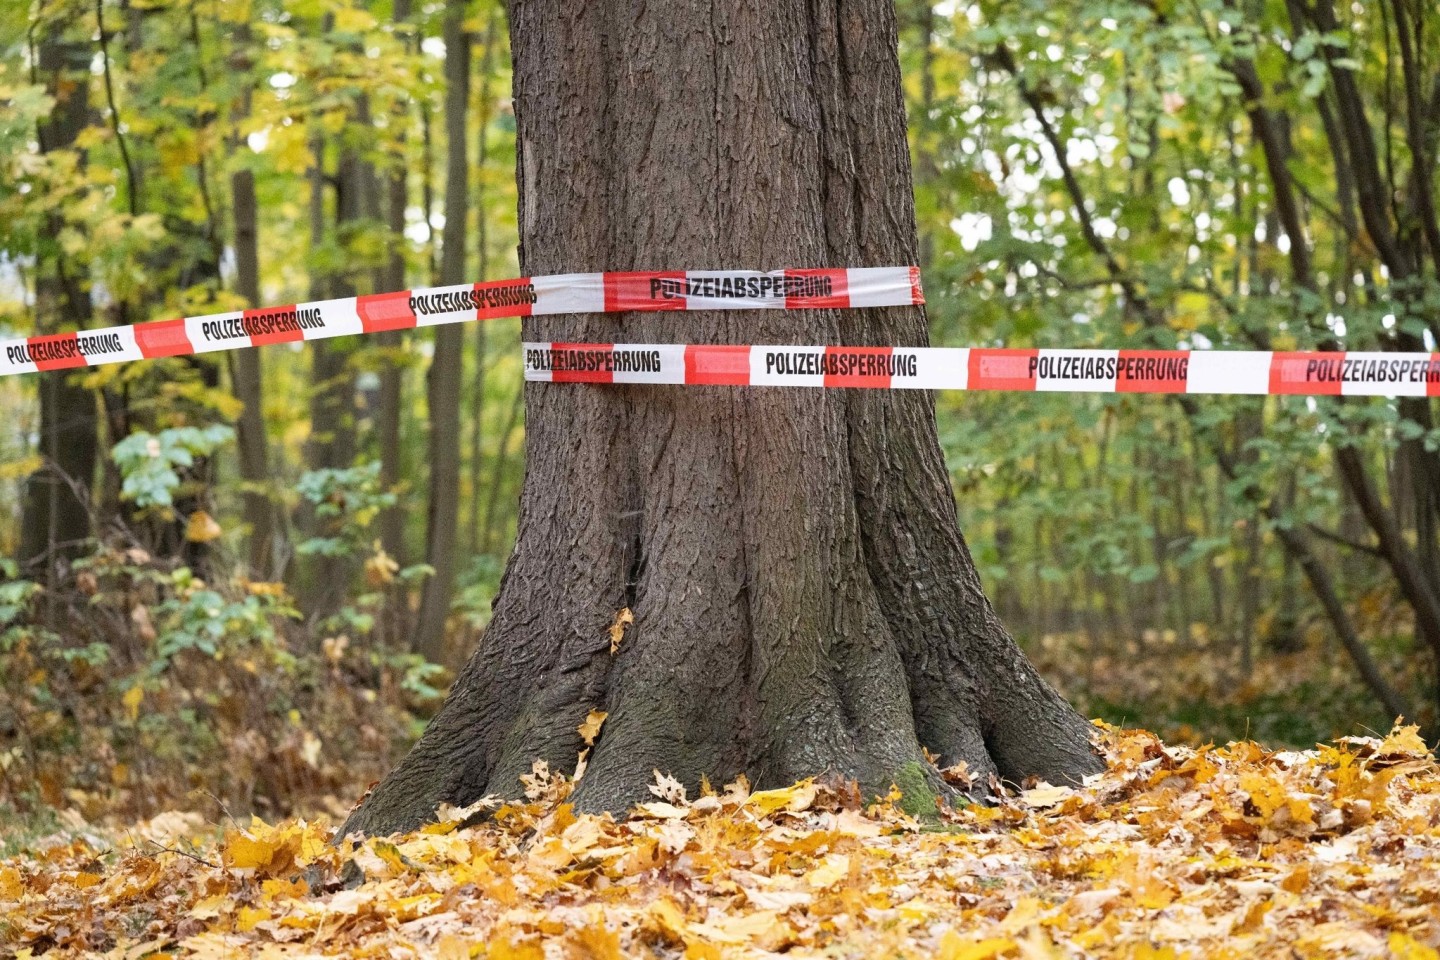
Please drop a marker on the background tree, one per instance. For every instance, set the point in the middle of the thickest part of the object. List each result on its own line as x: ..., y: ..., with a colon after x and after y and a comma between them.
x: 57, y: 510
x: 442, y: 526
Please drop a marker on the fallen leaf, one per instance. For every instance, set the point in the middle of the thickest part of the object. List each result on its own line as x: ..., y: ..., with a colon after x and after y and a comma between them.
x: 590, y: 728
x: 617, y: 629
x: 668, y: 788
x: 1045, y: 796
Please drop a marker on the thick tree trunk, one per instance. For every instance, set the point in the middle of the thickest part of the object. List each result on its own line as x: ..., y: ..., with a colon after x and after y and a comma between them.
x: 804, y: 602
x: 446, y: 368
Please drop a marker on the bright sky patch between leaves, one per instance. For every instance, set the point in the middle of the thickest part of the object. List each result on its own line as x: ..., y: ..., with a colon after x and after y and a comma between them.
x: 1173, y: 852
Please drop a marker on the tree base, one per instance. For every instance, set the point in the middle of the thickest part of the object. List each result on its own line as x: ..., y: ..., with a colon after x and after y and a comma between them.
x: 830, y: 631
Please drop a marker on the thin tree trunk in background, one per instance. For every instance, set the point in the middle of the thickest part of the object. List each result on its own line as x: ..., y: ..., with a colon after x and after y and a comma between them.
x: 332, y: 421
x: 1180, y: 468
x: 1210, y: 526
x: 443, y: 387
x: 926, y: 168
x: 247, y: 370
x: 482, y: 264
x: 55, y: 505
x: 392, y: 371
x: 427, y: 188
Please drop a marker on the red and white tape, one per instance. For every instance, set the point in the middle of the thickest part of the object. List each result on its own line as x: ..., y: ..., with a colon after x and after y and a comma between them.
x: 523, y: 297
x: 944, y: 368
x: 1076, y: 371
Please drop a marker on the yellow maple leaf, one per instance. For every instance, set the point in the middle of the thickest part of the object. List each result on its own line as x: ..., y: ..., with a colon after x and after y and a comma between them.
x: 795, y: 799
x: 665, y: 917
x: 11, y: 886
x: 1267, y: 794
x: 1405, y: 947
x: 595, y: 941
x: 244, y: 852
x: 590, y: 728
x: 955, y: 947
x: 1404, y: 742
x: 831, y: 871
x: 246, y: 918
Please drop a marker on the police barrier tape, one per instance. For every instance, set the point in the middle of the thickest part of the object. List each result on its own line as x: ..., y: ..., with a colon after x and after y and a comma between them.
x: 944, y: 368
x: 523, y: 297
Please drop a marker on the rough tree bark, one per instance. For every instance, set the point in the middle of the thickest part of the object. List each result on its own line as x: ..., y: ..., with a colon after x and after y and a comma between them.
x: 804, y: 602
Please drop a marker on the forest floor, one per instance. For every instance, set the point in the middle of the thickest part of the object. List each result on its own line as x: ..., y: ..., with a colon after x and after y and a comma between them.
x: 1174, y: 851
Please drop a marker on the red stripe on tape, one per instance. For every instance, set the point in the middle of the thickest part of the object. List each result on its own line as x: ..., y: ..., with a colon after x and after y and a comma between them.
x: 271, y: 325
x: 1152, y: 371
x: 585, y: 363
x: 56, y: 351
x: 504, y: 298
x: 717, y: 364
x: 916, y: 297
x: 1003, y: 369
x: 812, y: 287
x: 163, y: 338
x: 1432, y: 376
x: 840, y: 358
x: 643, y: 291
x: 380, y: 312
x: 1312, y: 374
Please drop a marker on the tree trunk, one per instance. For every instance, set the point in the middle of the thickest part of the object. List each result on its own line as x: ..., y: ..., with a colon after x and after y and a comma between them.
x: 392, y: 370
x: 446, y: 368
x: 482, y: 272
x: 331, y: 444
x: 248, y: 376
x: 804, y: 602
x: 55, y: 507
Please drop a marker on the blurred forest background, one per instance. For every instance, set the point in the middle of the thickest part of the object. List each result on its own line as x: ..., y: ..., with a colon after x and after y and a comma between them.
x: 243, y: 579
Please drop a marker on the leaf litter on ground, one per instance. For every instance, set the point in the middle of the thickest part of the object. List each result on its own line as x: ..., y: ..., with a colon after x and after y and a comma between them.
x: 1233, y: 851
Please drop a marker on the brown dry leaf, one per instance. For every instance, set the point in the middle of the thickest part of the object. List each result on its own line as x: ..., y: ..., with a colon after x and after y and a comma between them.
x: 958, y: 775
x: 589, y: 729
x: 617, y: 629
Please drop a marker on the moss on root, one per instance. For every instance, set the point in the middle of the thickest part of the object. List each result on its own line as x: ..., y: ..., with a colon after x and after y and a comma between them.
x: 916, y: 797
